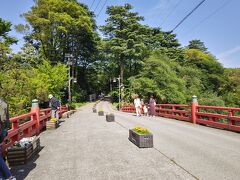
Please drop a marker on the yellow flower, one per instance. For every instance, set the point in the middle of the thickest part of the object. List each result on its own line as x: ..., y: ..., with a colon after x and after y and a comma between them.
x: 53, y: 119
x: 141, y: 130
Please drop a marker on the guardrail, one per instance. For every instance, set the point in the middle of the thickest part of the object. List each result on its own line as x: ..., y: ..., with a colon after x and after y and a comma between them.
x: 34, y: 122
x: 213, y: 116
x: 226, y: 117
x: 175, y: 111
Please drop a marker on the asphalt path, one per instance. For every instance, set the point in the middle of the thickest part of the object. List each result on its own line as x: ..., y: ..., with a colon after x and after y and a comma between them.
x: 85, y: 146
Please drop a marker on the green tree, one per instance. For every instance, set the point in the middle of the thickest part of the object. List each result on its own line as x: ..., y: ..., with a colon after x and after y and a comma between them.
x: 158, y: 77
x: 59, y: 26
x: 197, y: 44
x: 123, y: 36
x: 192, y: 78
x: 211, y: 70
x: 231, y: 87
x: 166, y: 42
x: 5, y: 42
x: 28, y: 57
x: 49, y: 79
x: 20, y: 85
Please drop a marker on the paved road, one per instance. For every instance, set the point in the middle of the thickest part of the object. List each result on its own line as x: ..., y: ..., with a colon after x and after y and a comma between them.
x: 86, y: 147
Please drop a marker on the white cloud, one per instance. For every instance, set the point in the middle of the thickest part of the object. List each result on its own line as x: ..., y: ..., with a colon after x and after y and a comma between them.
x: 230, y: 57
x: 229, y: 52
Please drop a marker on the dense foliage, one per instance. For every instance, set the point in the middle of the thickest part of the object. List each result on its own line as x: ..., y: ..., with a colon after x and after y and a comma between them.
x: 124, y: 36
x: 24, y: 76
x: 148, y: 60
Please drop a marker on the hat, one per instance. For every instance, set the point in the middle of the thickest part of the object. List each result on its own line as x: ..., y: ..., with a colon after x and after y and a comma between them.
x: 50, y: 96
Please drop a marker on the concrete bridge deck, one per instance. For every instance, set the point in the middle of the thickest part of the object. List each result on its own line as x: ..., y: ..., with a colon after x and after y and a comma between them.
x: 85, y: 146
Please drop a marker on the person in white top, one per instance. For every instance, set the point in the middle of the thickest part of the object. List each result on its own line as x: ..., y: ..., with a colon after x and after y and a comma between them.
x: 137, y: 104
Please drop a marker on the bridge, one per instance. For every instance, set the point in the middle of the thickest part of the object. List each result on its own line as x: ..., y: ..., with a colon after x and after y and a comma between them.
x: 85, y: 146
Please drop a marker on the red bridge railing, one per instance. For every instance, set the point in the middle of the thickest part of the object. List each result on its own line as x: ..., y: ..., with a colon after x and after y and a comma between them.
x: 33, y: 123
x: 175, y: 111
x: 219, y: 117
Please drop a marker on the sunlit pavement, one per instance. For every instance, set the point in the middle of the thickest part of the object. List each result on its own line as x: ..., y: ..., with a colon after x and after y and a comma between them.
x: 85, y: 146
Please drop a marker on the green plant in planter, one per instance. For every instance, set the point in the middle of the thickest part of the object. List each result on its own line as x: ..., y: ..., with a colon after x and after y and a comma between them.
x: 141, y: 137
x: 141, y: 130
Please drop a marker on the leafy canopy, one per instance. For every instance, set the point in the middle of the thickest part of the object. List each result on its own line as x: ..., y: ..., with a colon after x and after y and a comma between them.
x: 159, y: 78
x: 56, y: 24
x: 123, y: 36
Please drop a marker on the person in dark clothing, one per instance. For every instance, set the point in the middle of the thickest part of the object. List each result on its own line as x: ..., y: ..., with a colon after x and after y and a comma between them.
x: 54, y: 104
x: 152, y: 104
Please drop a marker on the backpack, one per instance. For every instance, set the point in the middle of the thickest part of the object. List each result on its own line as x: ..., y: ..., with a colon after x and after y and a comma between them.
x: 4, y: 120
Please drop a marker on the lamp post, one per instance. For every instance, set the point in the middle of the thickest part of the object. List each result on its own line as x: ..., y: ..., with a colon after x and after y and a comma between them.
x: 119, y: 89
x: 110, y: 83
x: 69, y: 58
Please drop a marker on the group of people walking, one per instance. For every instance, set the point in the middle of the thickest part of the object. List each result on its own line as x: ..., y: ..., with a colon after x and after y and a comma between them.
x: 147, y: 109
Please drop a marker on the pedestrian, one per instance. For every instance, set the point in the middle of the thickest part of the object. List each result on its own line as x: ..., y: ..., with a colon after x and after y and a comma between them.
x: 54, y: 104
x: 152, y: 104
x: 142, y: 106
x: 4, y: 124
x: 137, y: 104
x: 145, y: 109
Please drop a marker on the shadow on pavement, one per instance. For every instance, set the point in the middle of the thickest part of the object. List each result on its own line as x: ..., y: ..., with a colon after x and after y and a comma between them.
x: 21, y: 171
x: 60, y: 121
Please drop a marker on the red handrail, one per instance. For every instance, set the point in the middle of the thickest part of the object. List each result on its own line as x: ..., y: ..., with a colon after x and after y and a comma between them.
x: 37, y: 121
x: 220, y: 117
x: 175, y: 111
x: 224, y: 119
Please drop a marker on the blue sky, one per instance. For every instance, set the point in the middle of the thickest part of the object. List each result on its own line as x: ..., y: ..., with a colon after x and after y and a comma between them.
x: 216, y: 22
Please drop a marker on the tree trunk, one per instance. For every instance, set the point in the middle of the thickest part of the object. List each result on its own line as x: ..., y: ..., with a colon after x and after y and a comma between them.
x: 121, y: 82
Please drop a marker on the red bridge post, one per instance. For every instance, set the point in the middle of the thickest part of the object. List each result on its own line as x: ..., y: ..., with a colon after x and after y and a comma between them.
x: 194, y: 109
x: 35, y: 109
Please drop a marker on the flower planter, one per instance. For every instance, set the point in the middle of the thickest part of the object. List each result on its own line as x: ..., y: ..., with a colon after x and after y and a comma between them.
x: 94, y: 110
x: 51, y: 125
x: 100, y: 113
x: 21, y: 155
x: 110, y: 117
x: 141, y: 140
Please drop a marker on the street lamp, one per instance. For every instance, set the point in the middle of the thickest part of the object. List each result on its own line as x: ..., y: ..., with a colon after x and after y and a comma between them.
x: 119, y: 89
x: 69, y: 58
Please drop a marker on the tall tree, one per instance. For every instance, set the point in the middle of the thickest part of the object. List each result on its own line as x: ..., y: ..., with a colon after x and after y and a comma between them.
x: 59, y: 26
x: 197, y: 44
x: 5, y: 42
x: 211, y: 70
x: 166, y: 42
x: 124, y: 36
